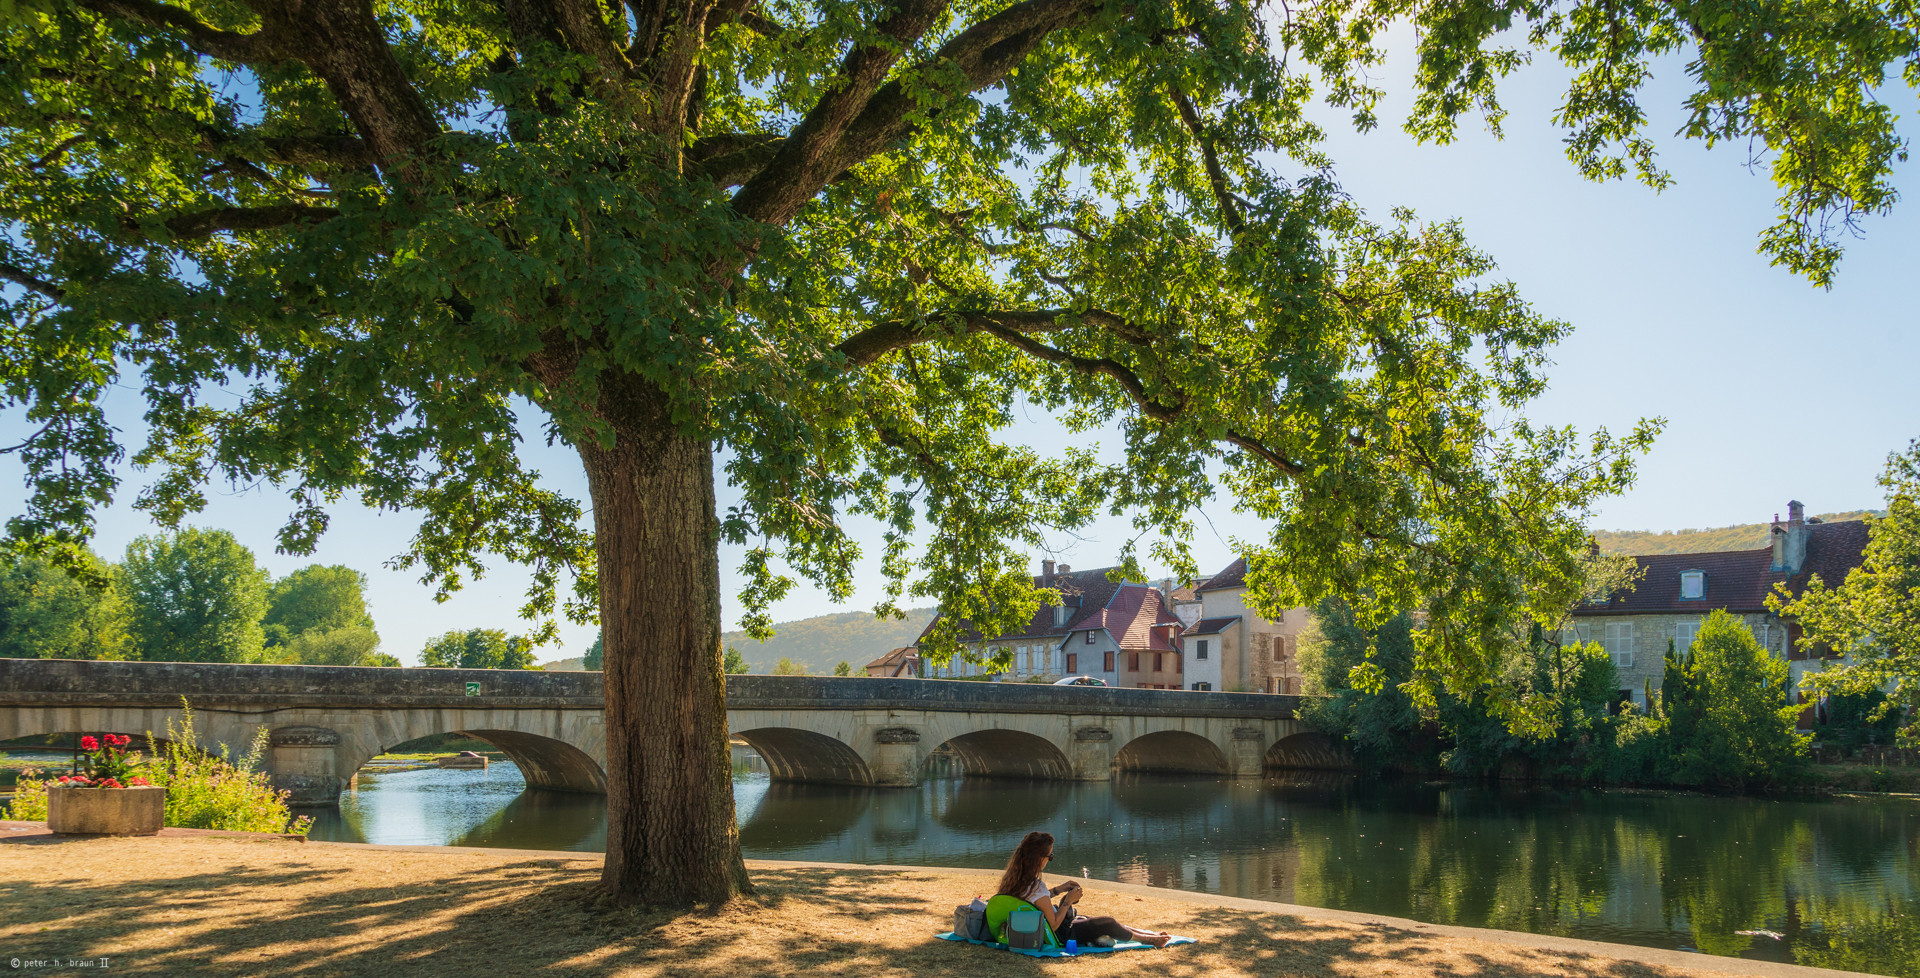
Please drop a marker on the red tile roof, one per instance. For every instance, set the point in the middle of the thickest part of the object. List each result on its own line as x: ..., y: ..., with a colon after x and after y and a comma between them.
x: 1126, y: 610
x: 895, y: 663
x: 1737, y: 580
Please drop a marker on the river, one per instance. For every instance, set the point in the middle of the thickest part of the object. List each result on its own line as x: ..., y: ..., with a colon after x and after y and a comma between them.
x: 1838, y: 880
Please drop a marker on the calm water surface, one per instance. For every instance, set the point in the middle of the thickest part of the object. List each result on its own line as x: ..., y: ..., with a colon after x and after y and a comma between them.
x: 1838, y: 880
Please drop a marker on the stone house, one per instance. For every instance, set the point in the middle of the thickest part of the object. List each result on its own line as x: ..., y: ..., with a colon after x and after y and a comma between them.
x: 902, y: 662
x: 1125, y: 634
x: 1678, y: 591
x: 1232, y: 647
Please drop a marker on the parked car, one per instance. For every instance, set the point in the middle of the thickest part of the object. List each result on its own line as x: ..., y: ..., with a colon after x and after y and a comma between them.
x: 1079, y: 681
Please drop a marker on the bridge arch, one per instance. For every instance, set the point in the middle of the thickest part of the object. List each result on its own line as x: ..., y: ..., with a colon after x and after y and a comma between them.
x: 1309, y: 751
x: 1002, y: 753
x: 545, y: 762
x: 1171, y: 752
x: 793, y: 754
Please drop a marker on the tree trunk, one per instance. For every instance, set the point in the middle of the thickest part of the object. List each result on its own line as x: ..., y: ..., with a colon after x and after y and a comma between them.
x: 671, y: 836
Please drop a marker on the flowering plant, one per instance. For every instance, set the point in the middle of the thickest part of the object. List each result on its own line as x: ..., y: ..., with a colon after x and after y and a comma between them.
x: 109, y: 765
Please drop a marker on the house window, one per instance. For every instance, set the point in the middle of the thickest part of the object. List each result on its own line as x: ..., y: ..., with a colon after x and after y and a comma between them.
x: 1159, y: 661
x: 1279, y: 648
x: 1620, y: 643
x: 1089, y: 638
x: 1201, y: 652
x: 1133, y: 662
x: 1059, y: 616
x: 1073, y: 662
x: 1684, y: 633
x: 1202, y: 687
x: 1107, y: 661
x: 1693, y: 585
x: 1179, y: 663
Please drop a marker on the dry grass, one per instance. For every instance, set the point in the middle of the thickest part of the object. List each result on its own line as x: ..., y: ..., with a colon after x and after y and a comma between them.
x: 233, y: 906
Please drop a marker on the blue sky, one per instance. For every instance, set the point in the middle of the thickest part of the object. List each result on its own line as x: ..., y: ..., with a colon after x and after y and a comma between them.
x: 1772, y: 389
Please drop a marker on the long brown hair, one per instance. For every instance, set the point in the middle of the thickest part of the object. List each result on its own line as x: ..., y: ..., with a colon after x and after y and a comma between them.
x: 1027, y: 862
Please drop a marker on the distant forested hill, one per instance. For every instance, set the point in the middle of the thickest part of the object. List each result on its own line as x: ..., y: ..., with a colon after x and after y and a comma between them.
x: 1746, y: 536
x: 819, y: 643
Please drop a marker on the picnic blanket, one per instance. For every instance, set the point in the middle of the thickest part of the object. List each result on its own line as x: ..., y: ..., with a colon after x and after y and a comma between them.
x: 1061, y: 952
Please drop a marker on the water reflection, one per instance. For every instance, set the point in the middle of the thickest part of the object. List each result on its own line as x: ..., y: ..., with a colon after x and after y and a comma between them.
x: 1840, y: 880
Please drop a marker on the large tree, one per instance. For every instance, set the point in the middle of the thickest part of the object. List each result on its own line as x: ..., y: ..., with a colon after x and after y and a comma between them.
x: 194, y: 596
x: 342, y: 246
x: 477, y: 648
x: 47, y: 613
x: 317, y: 598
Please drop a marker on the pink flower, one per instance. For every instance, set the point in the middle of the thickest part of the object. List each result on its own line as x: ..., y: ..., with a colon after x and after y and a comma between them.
x: 88, y: 743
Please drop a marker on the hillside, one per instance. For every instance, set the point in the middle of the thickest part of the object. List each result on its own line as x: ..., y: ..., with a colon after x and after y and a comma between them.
x: 1746, y: 536
x: 819, y: 643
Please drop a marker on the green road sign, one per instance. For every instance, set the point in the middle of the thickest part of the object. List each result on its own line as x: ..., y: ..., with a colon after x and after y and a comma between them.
x: 473, y: 689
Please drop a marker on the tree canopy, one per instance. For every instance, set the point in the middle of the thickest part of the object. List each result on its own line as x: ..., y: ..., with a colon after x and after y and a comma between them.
x: 46, y: 613
x: 342, y: 246
x: 316, y: 598
x: 478, y: 648
x: 194, y: 596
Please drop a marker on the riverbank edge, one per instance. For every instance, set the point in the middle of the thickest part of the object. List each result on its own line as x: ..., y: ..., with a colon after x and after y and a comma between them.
x: 1632, y: 953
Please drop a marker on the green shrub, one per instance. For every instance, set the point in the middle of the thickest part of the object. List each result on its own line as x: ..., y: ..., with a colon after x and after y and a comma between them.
x: 205, y: 791
x: 29, y: 799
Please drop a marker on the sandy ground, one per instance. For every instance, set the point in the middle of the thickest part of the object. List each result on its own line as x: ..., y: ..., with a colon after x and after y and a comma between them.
x: 211, y: 905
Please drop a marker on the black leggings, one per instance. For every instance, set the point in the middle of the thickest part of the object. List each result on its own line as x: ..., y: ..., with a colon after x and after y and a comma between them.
x: 1085, y: 929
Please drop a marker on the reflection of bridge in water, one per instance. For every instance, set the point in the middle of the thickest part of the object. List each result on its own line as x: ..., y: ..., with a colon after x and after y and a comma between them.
x: 324, y: 722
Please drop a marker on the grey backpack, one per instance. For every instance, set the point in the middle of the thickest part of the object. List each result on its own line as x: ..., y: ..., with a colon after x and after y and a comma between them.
x: 970, y: 922
x: 1027, y: 930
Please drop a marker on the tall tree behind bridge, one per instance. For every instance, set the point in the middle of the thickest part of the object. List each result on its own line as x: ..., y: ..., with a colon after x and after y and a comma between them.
x: 344, y: 244
x: 47, y: 613
x: 194, y: 596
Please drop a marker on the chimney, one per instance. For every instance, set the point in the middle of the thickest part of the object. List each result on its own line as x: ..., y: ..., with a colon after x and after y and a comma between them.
x: 1065, y: 570
x: 1779, y: 538
x: 1796, y: 556
x: 1046, y: 573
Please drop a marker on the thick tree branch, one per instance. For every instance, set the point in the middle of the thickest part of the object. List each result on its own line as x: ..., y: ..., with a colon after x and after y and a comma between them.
x: 730, y: 159
x: 201, y: 224
x: 880, y: 339
x: 259, y: 47
x: 981, y: 56
x: 1216, y: 174
x: 53, y: 155
x: 809, y: 156
x: 32, y: 283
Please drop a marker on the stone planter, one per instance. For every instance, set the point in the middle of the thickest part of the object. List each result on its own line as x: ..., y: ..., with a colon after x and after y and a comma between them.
x: 106, y: 811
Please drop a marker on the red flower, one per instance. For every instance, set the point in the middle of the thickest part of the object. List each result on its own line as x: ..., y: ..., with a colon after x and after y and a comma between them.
x: 137, y: 781
x: 110, y: 783
x: 119, y: 740
x: 88, y: 743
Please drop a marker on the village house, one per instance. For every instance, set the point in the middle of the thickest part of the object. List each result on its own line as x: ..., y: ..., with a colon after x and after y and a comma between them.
x: 1125, y: 634
x: 1678, y: 591
x: 901, y: 663
x: 1232, y: 648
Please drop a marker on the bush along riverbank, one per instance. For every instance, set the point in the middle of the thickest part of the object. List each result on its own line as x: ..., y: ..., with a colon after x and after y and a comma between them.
x: 1720, y: 721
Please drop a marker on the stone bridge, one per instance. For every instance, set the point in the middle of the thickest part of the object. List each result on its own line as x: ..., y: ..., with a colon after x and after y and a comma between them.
x: 323, y: 723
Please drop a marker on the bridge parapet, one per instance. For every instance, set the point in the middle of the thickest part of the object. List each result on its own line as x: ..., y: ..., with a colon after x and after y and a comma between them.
x: 73, y: 682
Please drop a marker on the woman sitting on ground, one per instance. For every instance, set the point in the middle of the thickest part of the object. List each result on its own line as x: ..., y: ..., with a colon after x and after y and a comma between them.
x: 1022, y: 879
